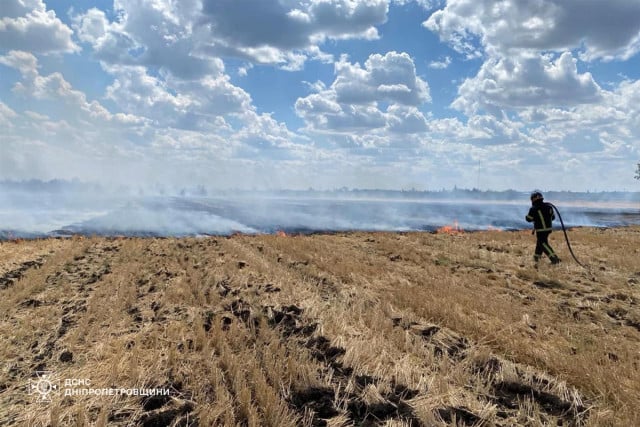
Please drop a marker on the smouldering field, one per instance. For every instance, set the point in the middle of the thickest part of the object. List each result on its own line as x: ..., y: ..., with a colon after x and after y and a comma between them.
x: 341, y: 329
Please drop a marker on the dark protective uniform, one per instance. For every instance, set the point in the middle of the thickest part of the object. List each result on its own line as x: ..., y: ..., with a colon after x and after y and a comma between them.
x: 541, y: 214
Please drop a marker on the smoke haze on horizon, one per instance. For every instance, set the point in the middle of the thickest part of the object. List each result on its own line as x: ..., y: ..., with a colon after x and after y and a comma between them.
x: 62, y: 213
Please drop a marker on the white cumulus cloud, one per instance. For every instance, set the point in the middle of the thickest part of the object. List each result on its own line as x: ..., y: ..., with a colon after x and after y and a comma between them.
x: 28, y: 25
x: 353, y: 101
x: 600, y: 29
x: 526, y: 80
x: 276, y: 32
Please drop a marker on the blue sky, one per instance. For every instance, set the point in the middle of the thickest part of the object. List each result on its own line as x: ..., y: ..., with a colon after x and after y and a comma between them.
x: 393, y: 94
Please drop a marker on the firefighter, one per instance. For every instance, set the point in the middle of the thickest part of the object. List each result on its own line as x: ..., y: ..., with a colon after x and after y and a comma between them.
x: 541, y: 214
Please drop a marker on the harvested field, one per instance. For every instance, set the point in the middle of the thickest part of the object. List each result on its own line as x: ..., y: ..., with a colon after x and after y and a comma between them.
x: 396, y: 329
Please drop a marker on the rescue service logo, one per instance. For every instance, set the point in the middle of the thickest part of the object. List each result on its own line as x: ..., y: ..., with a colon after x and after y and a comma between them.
x: 44, y: 386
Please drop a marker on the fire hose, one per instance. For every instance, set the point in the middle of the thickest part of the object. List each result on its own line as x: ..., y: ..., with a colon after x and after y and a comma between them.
x: 564, y: 230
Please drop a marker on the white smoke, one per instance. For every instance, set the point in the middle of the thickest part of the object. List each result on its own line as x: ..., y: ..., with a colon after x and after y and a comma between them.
x: 68, y: 209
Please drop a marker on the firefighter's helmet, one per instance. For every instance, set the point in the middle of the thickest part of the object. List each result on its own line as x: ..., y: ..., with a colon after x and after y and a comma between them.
x: 536, y: 195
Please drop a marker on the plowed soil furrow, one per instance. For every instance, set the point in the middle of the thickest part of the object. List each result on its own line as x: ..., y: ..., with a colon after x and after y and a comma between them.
x: 51, y: 306
x: 442, y: 343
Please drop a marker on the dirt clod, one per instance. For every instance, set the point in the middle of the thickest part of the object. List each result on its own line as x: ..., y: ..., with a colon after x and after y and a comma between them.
x: 66, y: 356
x: 318, y: 399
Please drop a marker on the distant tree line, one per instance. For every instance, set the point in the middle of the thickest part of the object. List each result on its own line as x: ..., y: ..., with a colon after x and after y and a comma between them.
x: 199, y: 190
x: 51, y: 186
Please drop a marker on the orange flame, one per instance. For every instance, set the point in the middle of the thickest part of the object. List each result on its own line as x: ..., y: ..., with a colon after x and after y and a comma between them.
x: 492, y: 228
x: 281, y: 233
x: 451, y: 229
